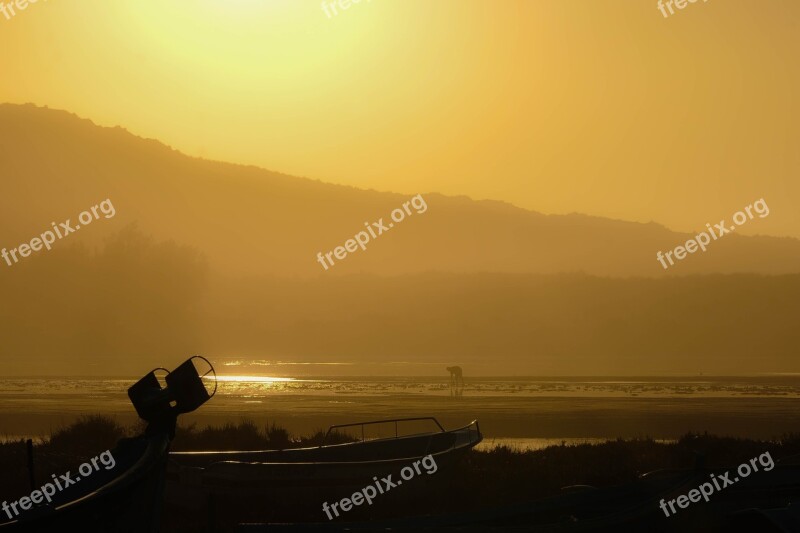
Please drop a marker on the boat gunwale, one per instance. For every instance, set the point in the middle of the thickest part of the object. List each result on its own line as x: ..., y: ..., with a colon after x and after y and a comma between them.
x: 201, y: 453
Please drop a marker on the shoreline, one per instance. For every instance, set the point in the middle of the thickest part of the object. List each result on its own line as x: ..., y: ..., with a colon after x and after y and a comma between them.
x: 506, y: 417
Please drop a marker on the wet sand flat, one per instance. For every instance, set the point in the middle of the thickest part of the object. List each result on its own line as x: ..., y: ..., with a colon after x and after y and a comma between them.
x: 499, y: 416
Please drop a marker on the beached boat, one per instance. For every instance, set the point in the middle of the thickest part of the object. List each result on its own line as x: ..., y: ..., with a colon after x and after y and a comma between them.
x: 325, y: 465
x: 217, y: 489
x: 127, y: 496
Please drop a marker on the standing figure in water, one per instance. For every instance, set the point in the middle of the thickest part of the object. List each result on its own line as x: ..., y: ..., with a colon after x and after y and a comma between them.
x: 456, y: 380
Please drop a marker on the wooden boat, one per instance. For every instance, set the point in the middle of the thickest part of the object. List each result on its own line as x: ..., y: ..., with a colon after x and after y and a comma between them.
x: 325, y: 465
x: 128, y: 496
x: 229, y: 487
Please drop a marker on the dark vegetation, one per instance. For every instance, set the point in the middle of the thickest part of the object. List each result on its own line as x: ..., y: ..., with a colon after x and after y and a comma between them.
x: 246, y: 435
x: 68, y: 447
x: 495, y: 478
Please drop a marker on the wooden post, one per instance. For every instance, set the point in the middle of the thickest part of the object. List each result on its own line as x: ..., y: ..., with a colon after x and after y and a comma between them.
x: 31, y: 477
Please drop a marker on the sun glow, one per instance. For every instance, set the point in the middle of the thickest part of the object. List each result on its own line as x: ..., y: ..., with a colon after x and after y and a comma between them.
x: 253, y: 379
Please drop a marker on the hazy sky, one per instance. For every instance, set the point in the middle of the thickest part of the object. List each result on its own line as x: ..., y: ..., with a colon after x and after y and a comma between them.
x: 602, y: 107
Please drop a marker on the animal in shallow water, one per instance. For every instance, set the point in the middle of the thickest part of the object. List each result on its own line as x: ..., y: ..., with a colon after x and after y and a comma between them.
x: 456, y: 376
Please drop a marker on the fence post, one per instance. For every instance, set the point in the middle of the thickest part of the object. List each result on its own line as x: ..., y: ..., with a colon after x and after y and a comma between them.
x: 31, y: 477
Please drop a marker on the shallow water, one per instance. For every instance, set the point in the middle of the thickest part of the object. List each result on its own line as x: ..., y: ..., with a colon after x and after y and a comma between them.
x: 553, y: 409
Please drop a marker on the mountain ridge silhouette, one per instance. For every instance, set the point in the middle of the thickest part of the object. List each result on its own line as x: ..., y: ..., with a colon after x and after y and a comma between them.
x: 219, y: 259
x: 249, y: 220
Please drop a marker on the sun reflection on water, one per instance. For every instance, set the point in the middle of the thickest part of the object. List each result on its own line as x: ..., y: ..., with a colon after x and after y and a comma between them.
x: 253, y: 379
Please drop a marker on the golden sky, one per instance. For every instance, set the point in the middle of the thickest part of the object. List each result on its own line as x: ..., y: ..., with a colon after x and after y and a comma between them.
x: 602, y: 107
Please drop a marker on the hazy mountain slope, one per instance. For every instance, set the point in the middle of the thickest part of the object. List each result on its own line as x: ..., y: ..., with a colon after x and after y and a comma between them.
x: 247, y: 220
x: 517, y: 324
x: 136, y: 303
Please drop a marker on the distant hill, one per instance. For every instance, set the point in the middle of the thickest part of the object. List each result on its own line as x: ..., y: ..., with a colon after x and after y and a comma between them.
x: 136, y: 304
x: 517, y: 324
x: 219, y: 259
x: 247, y: 220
